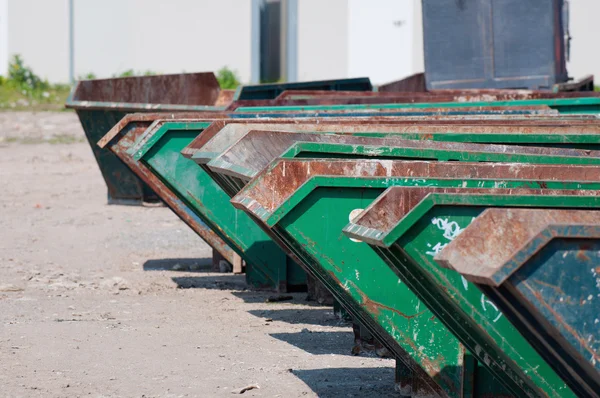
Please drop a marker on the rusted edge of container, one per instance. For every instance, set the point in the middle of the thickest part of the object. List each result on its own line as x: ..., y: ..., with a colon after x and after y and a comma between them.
x: 170, y: 92
x: 257, y: 148
x: 397, y: 209
x: 209, y: 144
x: 268, y: 195
x: 500, y: 241
x: 151, y: 117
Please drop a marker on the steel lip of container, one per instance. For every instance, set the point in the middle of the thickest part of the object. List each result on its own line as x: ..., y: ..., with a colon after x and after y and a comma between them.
x: 308, y: 171
x: 457, y: 95
x: 579, y: 104
x: 100, y: 104
x: 214, y: 140
x: 213, y: 153
x: 490, y: 112
x: 223, y: 133
x: 257, y: 148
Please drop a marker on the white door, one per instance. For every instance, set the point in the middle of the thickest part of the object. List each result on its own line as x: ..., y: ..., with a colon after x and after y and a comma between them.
x: 380, y: 39
x: 3, y: 37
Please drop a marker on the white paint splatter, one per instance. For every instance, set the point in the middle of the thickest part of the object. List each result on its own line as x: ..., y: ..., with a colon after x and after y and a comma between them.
x: 436, y: 249
x: 353, y: 214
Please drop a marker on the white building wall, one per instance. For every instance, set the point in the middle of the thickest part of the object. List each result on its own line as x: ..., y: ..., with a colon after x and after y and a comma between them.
x: 163, y: 36
x: 39, y: 32
x: 103, y: 37
x: 585, y: 30
x: 3, y: 37
x: 322, y: 39
x: 112, y: 36
x: 380, y: 39
x: 418, y: 55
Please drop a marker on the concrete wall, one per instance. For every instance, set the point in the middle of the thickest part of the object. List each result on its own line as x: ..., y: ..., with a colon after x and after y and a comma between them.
x: 163, y: 36
x: 585, y: 29
x: 380, y: 39
x: 112, y: 36
x: 322, y: 39
x: 418, y: 58
x: 39, y: 31
x: 3, y: 37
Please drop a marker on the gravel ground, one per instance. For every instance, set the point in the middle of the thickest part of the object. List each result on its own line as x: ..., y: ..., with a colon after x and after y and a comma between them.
x: 117, y: 301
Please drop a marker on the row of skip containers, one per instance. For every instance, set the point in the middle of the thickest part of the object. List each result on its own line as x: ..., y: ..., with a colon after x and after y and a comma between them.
x: 368, y: 198
x: 113, y: 98
x: 100, y: 104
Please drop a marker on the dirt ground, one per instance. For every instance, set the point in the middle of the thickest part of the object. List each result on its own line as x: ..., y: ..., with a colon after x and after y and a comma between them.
x: 117, y: 301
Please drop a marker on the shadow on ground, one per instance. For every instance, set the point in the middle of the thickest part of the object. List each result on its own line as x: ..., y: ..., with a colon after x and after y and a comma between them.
x: 319, y: 343
x: 260, y: 296
x: 209, y: 279
x: 179, y: 264
x: 215, y: 281
x: 350, y: 382
x: 323, y: 316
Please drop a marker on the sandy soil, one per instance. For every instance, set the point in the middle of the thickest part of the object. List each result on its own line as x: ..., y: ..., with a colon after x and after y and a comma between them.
x: 115, y: 301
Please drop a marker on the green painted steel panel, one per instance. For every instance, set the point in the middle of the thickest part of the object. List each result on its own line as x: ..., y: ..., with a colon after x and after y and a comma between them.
x: 539, y: 267
x: 415, y: 237
x: 268, y: 266
x: 311, y: 220
x: 324, y: 149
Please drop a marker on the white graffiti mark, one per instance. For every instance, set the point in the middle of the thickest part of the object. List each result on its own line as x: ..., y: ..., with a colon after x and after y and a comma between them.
x: 451, y: 229
x: 465, y: 282
x: 436, y: 249
x: 485, y: 302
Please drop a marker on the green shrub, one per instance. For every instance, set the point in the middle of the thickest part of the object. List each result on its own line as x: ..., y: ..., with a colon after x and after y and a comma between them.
x: 132, y: 73
x: 88, y: 76
x: 23, y: 77
x: 227, y: 78
x: 128, y: 73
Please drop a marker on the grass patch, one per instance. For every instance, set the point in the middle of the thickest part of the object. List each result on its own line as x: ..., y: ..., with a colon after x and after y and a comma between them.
x: 22, y: 89
x: 16, y: 99
x: 61, y: 139
x: 65, y: 139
